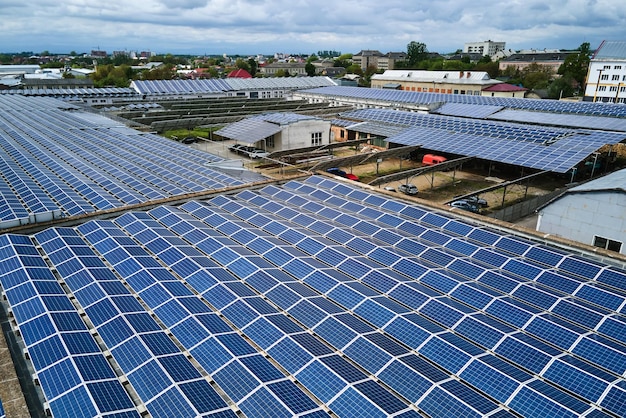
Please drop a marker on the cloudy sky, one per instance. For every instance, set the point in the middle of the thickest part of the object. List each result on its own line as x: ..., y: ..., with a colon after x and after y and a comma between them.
x: 302, y: 26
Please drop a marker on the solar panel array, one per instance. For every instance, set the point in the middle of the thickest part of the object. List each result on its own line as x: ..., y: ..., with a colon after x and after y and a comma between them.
x: 76, y: 92
x: 57, y: 163
x: 400, y: 96
x: 561, y: 119
x: 543, y: 148
x: 259, y: 127
x: 314, y: 297
x: 249, y: 130
x: 154, y: 87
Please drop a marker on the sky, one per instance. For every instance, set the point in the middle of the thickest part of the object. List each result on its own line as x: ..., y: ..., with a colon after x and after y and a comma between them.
x: 250, y: 27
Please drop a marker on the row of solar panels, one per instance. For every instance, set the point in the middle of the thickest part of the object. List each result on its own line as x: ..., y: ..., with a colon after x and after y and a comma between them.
x: 401, y: 96
x: 374, y: 306
x: 216, y: 85
x: 56, y: 164
x: 549, y: 149
x: 72, y: 92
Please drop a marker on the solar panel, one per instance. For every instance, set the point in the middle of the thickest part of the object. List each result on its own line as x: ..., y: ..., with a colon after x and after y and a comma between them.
x: 337, y: 319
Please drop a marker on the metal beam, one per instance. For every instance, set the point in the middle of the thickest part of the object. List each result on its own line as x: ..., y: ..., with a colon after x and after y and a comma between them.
x: 447, y: 165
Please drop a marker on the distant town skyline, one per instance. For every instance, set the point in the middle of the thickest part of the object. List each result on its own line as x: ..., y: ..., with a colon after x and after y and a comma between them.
x: 248, y: 27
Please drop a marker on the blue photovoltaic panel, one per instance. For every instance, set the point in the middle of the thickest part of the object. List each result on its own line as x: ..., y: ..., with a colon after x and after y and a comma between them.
x: 361, y: 324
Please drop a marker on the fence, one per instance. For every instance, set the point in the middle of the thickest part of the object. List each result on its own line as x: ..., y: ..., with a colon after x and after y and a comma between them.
x: 528, y: 207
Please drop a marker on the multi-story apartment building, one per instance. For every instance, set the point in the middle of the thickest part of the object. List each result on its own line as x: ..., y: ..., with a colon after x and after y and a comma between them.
x: 606, y: 78
x: 546, y: 58
x: 484, y: 48
x: 366, y: 58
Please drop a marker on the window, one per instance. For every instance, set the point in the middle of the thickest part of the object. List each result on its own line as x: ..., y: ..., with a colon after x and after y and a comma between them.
x: 269, y: 141
x: 613, y: 88
x: 622, y: 89
x: 604, y: 77
x: 607, y: 244
x: 342, y: 133
x: 617, y: 67
x: 615, y: 77
x: 316, y: 138
x: 607, y: 67
x: 602, y: 88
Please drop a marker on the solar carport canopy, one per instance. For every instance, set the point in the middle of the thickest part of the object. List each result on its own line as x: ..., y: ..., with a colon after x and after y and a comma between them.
x: 249, y: 130
x: 538, y: 147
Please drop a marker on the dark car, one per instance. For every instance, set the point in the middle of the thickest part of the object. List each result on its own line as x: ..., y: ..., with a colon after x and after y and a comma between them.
x: 189, y: 140
x: 409, y: 189
x: 477, y: 201
x: 336, y: 171
x: 465, y: 205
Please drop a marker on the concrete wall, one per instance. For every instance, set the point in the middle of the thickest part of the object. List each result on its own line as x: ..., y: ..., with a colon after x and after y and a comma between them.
x: 298, y: 134
x: 580, y: 217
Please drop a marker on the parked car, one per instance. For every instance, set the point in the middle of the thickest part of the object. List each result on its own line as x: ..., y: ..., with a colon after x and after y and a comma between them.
x: 465, y: 205
x: 336, y: 171
x: 390, y: 189
x: 236, y: 148
x: 408, y: 188
x: 339, y: 172
x: 189, y: 140
x: 255, y: 153
x: 482, y: 203
x: 431, y: 159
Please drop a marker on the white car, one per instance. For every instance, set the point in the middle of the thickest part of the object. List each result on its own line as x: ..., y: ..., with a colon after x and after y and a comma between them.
x: 257, y: 153
x: 409, y: 189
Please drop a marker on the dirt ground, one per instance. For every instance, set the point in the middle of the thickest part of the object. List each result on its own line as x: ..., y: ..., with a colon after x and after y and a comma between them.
x: 441, y: 187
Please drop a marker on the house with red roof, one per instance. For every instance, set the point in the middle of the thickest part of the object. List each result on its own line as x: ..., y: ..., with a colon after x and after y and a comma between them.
x: 239, y: 73
x: 504, y: 90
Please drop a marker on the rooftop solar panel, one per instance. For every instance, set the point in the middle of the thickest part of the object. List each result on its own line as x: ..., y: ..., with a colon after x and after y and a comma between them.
x: 378, y: 307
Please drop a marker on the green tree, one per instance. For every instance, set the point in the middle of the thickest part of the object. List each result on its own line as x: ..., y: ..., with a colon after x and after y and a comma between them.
x: 354, y: 69
x: 110, y: 75
x: 536, y: 76
x: 564, y: 86
x: 253, y: 66
x: 310, y: 69
x: 416, y: 52
x: 242, y: 64
x: 576, y: 66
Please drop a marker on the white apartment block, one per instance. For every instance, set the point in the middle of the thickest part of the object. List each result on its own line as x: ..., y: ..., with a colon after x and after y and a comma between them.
x: 606, y: 79
x: 484, y: 48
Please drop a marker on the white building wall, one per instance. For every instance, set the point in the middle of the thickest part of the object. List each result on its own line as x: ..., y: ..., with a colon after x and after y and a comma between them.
x: 606, y: 81
x: 298, y: 134
x: 581, y: 217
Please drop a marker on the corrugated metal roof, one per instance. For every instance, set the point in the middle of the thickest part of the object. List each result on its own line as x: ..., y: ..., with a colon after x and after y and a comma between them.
x: 611, y: 50
x: 614, y: 181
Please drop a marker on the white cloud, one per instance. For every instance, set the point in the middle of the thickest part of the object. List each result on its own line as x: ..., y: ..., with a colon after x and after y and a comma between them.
x: 252, y: 26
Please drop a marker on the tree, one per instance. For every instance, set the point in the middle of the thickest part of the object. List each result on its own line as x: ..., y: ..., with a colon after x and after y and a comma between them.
x: 310, y: 69
x: 576, y: 66
x: 536, y: 76
x: 416, y: 52
x: 242, y: 64
x: 563, y: 86
x: 253, y: 66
